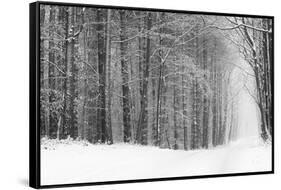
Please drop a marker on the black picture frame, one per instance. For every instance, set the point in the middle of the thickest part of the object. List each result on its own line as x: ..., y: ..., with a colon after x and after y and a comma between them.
x: 34, y: 94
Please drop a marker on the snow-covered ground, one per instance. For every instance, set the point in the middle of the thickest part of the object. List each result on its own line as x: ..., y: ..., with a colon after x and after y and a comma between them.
x: 67, y: 161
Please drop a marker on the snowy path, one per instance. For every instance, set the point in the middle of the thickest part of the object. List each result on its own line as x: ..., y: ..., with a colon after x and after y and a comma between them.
x: 74, y: 162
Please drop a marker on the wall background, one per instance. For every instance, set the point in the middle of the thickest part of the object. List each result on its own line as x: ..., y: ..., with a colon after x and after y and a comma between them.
x: 14, y: 73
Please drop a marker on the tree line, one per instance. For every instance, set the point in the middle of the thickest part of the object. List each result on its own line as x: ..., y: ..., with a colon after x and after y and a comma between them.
x: 146, y: 77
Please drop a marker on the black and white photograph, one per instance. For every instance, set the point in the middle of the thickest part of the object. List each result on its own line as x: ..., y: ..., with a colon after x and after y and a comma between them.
x: 135, y: 94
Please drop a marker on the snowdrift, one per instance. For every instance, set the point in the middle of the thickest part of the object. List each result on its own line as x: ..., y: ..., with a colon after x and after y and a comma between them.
x: 70, y: 161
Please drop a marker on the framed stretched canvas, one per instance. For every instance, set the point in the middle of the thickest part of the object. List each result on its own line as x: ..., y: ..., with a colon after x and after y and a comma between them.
x: 122, y: 94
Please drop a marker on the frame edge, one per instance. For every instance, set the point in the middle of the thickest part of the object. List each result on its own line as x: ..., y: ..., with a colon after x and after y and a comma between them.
x: 34, y: 162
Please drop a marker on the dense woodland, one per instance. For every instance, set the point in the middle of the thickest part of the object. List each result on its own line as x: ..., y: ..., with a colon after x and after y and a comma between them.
x: 147, y: 77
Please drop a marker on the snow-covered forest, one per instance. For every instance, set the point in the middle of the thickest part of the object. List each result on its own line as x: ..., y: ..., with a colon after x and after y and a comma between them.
x: 153, y: 80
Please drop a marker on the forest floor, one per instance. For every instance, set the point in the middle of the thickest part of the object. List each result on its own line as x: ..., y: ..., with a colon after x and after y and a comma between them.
x: 66, y: 161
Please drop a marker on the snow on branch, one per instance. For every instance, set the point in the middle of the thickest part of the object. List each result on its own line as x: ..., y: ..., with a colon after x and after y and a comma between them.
x: 57, y: 67
x: 239, y: 25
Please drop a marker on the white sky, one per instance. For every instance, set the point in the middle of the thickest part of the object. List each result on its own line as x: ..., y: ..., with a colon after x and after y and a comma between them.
x: 247, y: 108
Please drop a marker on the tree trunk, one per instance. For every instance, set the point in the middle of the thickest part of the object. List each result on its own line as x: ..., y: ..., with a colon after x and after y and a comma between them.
x: 46, y: 76
x: 175, y: 147
x: 159, y: 129
x: 214, y: 98
x: 125, y: 78
x: 184, y: 111
x: 143, y: 120
x: 52, y: 118
x: 205, y: 99
x: 71, y: 74
x: 109, y: 81
x: 102, y: 75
